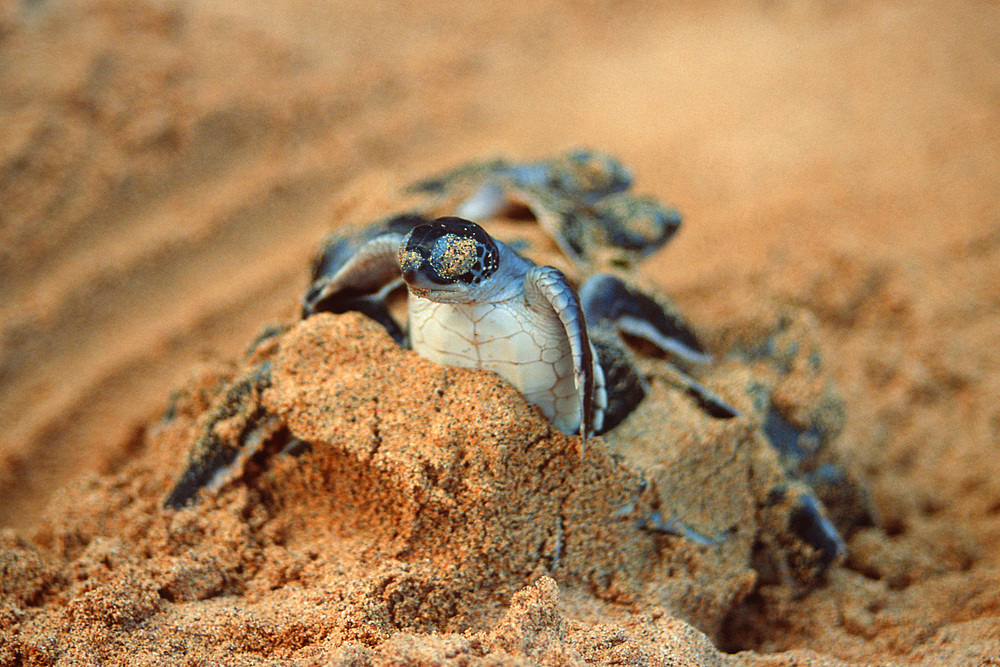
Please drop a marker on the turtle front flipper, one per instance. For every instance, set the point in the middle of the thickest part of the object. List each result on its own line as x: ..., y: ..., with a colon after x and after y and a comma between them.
x: 238, y: 426
x: 609, y: 302
x: 371, y: 305
x: 546, y: 288
x: 352, y: 276
x: 612, y: 307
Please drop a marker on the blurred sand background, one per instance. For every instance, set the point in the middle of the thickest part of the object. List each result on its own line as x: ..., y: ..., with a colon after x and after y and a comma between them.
x: 167, y: 168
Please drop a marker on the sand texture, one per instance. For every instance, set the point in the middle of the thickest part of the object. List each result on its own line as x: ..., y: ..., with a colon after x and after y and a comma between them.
x: 167, y: 171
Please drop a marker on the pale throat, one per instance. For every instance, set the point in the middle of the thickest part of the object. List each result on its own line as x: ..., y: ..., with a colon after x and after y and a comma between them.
x: 525, y: 347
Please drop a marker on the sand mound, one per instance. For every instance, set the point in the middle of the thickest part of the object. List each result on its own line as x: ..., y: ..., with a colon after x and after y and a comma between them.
x: 381, y: 494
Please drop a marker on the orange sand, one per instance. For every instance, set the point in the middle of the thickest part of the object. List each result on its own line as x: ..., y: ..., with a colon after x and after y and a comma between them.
x: 167, y: 169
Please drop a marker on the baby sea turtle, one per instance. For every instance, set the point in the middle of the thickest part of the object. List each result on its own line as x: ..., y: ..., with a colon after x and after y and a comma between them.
x: 475, y: 303
x: 581, y: 199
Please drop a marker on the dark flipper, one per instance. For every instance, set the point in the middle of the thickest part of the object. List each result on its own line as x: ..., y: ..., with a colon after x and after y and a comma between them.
x: 808, y: 542
x: 636, y: 225
x: 809, y: 522
x: 366, y: 291
x: 804, y: 454
x: 214, y: 455
x: 611, y: 308
x: 609, y: 302
x: 657, y: 523
x: 708, y: 400
x: 371, y: 305
x: 625, y: 387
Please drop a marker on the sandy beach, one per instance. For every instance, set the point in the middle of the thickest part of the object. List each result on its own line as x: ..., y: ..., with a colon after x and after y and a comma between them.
x: 167, y: 172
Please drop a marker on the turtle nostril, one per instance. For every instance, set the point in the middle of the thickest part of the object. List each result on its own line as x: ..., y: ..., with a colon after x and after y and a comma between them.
x: 409, y: 275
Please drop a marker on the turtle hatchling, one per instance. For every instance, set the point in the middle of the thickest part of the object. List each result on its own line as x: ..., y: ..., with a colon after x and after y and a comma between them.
x: 582, y: 200
x: 562, y: 336
x: 474, y: 303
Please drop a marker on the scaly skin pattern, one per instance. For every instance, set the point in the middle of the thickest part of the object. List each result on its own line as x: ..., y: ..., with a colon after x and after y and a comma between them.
x: 526, y: 347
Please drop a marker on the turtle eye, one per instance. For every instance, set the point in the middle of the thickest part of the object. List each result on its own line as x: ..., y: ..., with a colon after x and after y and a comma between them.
x: 448, y: 251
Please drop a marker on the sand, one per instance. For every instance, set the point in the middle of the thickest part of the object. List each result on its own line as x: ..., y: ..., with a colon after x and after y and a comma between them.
x: 166, y: 172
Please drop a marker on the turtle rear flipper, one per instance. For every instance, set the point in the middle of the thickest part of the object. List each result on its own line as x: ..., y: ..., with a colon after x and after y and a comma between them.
x: 800, y: 543
x: 633, y: 227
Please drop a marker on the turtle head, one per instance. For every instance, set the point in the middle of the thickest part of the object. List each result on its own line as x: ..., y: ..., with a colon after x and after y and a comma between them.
x: 448, y: 260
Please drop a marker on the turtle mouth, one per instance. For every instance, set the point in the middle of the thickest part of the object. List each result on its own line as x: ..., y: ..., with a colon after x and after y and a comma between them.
x: 443, y: 295
x: 424, y: 288
x: 419, y: 280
